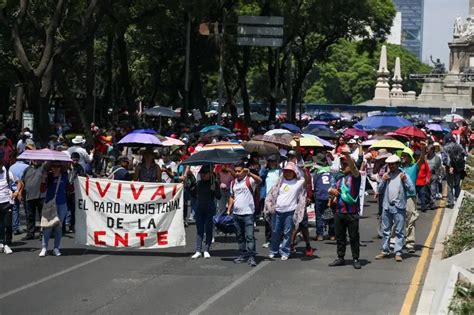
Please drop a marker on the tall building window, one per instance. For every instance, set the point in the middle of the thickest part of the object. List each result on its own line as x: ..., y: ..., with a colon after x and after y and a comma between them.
x: 412, y: 24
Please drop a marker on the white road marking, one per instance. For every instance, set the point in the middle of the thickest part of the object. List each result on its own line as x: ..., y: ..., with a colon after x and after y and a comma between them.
x: 50, y: 277
x: 227, y: 289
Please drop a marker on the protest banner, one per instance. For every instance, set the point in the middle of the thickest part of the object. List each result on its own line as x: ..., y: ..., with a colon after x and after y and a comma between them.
x: 122, y: 214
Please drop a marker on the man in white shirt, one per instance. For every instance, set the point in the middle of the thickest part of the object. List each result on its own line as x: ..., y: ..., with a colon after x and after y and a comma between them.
x: 85, y: 158
x: 169, y: 169
x: 7, y: 197
x: 242, y: 205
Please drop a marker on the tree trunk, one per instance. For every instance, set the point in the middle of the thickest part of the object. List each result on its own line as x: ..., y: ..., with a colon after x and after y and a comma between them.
x: 107, y: 102
x: 90, y: 81
x: 272, y: 66
x: 125, y: 76
x: 19, y: 101
x: 242, y: 70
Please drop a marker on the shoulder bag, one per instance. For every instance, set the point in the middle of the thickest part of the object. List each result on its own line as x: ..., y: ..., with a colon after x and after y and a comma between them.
x: 49, y: 214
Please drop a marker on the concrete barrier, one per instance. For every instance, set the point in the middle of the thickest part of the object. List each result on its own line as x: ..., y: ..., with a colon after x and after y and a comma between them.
x: 442, y: 274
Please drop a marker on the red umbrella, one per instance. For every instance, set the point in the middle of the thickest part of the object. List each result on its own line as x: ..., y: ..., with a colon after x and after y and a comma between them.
x: 352, y: 132
x: 411, y: 132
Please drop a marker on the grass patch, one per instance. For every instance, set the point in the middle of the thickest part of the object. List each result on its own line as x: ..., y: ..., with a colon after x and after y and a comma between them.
x: 463, y: 299
x: 462, y: 238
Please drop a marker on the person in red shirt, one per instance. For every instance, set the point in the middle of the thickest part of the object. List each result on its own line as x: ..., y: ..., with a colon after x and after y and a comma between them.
x: 423, y: 183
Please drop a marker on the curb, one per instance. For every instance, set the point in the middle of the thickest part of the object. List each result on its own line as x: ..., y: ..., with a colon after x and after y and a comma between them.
x: 442, y: 274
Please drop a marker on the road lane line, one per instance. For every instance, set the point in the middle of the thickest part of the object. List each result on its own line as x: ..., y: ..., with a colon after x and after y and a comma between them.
x: 415, y: 283
x: 227, y: 289
x: 50, y: 277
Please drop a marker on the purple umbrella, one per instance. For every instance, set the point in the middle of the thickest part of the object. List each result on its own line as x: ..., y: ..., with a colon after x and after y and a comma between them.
x: 44, y: 155
x: 435, y: 127
x: 317, y: 122
x: 136, y: 139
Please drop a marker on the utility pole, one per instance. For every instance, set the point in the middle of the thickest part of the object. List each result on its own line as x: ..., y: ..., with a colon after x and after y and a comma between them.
x: 186, y: 76
x: 289, y: 107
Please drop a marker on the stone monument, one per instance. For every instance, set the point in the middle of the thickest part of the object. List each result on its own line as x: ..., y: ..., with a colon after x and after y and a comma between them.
x: 382, y: 89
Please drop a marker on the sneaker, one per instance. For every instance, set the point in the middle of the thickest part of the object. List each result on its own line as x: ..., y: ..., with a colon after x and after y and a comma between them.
x: 266, y: 245
x: 337, y: 262
x: 7, y: 250
x: 213, y: 240
x: 382, y: 255
x: 332, y: 238
x: 319, y: 238
x: 309, y: 251
x: 252, y: 262
x: 240, y: 259
x: 43, y: 252
x: 398, y: 258
x: 356, y: 264
x: 271, y: 256
x: 284, y: 257
x: 1, y: 248
x: 196, y: 255
x: 56, y: 252
x: 207, y: 255
x: 411, y: 250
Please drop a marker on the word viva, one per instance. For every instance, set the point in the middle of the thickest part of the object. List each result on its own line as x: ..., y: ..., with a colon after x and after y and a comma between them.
x: 118, y: 190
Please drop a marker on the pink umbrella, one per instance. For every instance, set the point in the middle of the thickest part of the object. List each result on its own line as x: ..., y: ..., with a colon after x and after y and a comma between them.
x: 44, y: 155
x: 351, y: 132
x: 168, y: 142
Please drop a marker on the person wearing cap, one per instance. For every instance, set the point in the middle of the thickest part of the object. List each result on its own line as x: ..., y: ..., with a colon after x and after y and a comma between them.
x: 8, y: 195
x: 86, y: 158
x: 344, y: 195
x: 207, y: 191
x: 270, y: 176
x: 411, y: 169
x: 322, y: 182
x: 396, y: 186
x: 303, y: 225
x: 21, y: 144
x: 242, y: 205
x: 286, y: 203
x: 120, y: 171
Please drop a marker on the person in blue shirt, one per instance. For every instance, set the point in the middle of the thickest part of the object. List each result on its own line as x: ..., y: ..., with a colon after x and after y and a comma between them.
x: 18, y: 169
x: 322, y: 178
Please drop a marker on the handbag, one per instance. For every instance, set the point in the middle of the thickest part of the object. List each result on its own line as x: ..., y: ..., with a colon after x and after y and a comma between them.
x: 49, y: 213
x: 327, y: 214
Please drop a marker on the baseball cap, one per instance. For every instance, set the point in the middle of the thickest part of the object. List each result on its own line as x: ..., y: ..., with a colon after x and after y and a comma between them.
x: 392, y: 159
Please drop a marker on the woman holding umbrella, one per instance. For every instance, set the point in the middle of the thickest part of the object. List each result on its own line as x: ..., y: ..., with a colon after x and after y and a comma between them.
x: 147, y: 171
x: 55, y: 184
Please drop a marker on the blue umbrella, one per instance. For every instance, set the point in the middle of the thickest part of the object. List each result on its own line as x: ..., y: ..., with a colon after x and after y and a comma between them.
x: 291, y: 127
x: 382, y: 122
x: 435, y: 127
x: 328, y: 116
x: 148, y: 131
x: 214, y: 127
x: 135, y: 139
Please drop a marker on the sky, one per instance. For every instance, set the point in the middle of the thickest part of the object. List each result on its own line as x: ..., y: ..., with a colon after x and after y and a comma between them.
x: 438, y: 26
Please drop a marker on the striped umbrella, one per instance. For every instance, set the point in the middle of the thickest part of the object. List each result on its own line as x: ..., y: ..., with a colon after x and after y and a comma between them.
x: 44, y: 155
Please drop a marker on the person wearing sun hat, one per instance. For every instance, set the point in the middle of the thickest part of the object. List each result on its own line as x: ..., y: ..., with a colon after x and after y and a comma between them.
x: 286, y: 202
x: 411, y: 168
x: 396, y: 186
x: 85, y: 158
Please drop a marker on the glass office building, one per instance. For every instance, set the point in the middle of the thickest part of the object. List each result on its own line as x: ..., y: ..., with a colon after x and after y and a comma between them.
x: 412, y: 24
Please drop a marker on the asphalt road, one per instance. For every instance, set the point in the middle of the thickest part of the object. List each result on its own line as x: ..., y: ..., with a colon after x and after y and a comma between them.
x: 86, y: 281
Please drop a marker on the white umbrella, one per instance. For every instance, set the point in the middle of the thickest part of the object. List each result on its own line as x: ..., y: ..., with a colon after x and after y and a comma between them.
x: 277, y: 132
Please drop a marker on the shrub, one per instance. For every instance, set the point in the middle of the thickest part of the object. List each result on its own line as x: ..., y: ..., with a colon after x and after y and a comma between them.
x: 462, y: 238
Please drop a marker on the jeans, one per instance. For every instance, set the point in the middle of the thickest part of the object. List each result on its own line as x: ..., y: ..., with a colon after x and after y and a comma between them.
x: 62, y: 212
x: 71, y: 204
x: 454, y: 188
x: 16, y: 216
x: 203, y: 215
x: 433, y: 192
x: 282, y: 223
x: 422, y: 192
x: 320, y: 206
x: 222, y: 203
x: 347, y: 223
x: 6, y: 231
x: 397, y: 220
x: 244, y: 231
x: 32, y: 207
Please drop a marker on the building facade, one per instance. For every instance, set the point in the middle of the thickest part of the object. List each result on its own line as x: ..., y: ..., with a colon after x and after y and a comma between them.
x: 412, y: 24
